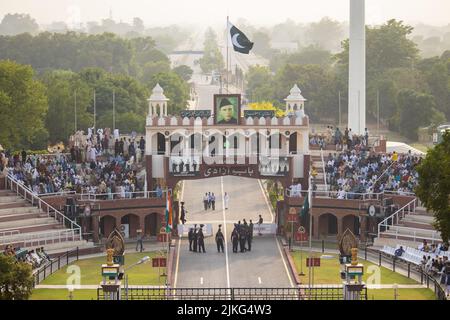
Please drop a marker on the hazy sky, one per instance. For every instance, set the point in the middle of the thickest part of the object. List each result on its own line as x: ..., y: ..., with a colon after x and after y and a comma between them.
x: 164, y: 12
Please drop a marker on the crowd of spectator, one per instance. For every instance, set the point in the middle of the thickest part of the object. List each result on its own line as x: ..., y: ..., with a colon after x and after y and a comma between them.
x: 93, y: 168
x: 35, y: 258
x: 355, y: 171
x: 343, y: 141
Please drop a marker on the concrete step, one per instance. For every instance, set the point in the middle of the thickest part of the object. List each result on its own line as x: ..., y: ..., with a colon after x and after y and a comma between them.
x: 67, y: 246
x: 412, y: 224
x: 417, y: 233
x: 386, y: 241
x: 6, y: 193
x: 9, y: 199
x: 15, y: 204
x: 20, y: 216
x: 19, y: 210
x: 26, y: 222
x: 419, y: 218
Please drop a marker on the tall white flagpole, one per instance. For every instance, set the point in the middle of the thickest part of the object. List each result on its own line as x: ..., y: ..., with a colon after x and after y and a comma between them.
x: 310, y: 234
x: 226, y: 39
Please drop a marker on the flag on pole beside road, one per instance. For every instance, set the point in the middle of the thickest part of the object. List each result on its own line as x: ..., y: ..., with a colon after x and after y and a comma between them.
x: 169, y: 213
x: 239, y: 40
x: 305, y: 208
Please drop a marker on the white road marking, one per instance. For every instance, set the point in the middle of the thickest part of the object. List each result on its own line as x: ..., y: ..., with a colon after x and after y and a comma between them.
x: 259, y: 280
x: 225, y: 234
x: 179, y: 244
x: 284, y: 262
x: 201, y: 280
x: 267, y: 201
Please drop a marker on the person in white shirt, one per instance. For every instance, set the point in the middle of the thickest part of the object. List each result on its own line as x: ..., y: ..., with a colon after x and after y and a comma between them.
x: 226, y: 199
x: 341, y: 194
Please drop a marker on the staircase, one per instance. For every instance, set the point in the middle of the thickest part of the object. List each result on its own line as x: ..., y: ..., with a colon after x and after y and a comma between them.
x: 319, y: 165
x: 26, y: 226
x: 408, y: 226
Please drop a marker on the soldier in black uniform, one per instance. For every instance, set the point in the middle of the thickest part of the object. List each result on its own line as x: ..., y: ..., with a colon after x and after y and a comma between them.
x: 242, y: 237
x: 201, y: 242
x: 195, y: 238
x: 191, y: 238
x: 219, y: 239
x: 250, y: 235
x: 183, y: 214
x: 235, y: 239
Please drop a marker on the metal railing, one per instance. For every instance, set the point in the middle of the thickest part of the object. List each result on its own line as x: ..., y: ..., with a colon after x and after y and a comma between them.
x: 322, y: 292
x: 408, y: 269
x: 28, y: 240
x: 9, y: 233
x: 329, y: 194
x: 51, y: 212
x: 121, y: 195
x: 323, y: 169
x: 54, y: 265
x: 391, y: 224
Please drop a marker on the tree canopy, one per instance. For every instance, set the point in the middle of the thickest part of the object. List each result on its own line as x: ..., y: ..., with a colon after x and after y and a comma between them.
x: 434, y: 184
x: 23, y: 106
x: 16, y: 279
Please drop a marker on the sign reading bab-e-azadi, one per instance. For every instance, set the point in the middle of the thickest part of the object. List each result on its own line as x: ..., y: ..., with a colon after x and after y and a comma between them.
x: 264, y: 228
x: 183, y: 229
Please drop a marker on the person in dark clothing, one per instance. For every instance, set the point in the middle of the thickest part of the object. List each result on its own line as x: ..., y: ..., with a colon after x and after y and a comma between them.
x: 235, y: 240
x: 219, y: 239
x: 121, y: 146
x: 201, y: 242
x: 116, y: 148
x: 195, y: 239
x: 24, y: 156
x: 183, y: 214
x: 250, y: 235
x: 213, y: 201
x: 191, y: 238
x: 242, y: 238
x: 142, y: 146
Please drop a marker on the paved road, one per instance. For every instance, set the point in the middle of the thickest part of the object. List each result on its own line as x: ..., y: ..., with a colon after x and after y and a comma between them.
x: 264, y: 266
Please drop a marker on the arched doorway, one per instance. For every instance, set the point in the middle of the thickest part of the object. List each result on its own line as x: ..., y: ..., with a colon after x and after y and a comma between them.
x: 328, y: 224
x: 107, y: 224
x: 161, y: 143
x: 132, y: 221
x: 351, y: 222
x: 151, y: 224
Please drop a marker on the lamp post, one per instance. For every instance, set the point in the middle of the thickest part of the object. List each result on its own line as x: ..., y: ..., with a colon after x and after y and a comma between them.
x: 143, y: 260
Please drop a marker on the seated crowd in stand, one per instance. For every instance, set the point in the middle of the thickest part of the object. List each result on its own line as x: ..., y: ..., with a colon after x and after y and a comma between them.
x: 98, y: 170
x: 35, y: 258
x: 361, y: 172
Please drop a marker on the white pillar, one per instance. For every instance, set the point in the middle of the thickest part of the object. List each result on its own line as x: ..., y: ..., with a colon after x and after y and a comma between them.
x: 357, y: 68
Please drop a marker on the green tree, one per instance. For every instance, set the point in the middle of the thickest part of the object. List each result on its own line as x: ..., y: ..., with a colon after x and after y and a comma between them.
x: 185, y: 72
x: 16, y: 279
x: 13, y: 24
x: 415, y: 110
x: 23, y: 106
x: 62, y: 86
x: 326, y: 33
x: 259, y: 84
x: 387, y: 47
x: 175, y: 88
x: 308, y: 55
x: 434, y: 184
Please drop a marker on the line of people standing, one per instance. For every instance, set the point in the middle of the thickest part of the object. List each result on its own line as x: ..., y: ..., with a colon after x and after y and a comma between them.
x: 209, y: 201
x: 242, y: 236
x: 196, y: 239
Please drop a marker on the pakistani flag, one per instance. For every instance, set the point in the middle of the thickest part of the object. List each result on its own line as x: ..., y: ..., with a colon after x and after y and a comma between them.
x: 169, y: 213
x: 305, y: 209
x: 239, y: 40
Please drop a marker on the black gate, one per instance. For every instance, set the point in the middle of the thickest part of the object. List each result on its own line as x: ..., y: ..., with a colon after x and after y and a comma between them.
x: 301, y: 293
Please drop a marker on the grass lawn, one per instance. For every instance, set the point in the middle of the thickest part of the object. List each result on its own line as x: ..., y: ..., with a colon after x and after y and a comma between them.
x: 63, y: 294
x: 329, y: 271
x: 90, y: 270
x: 403, y: 294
